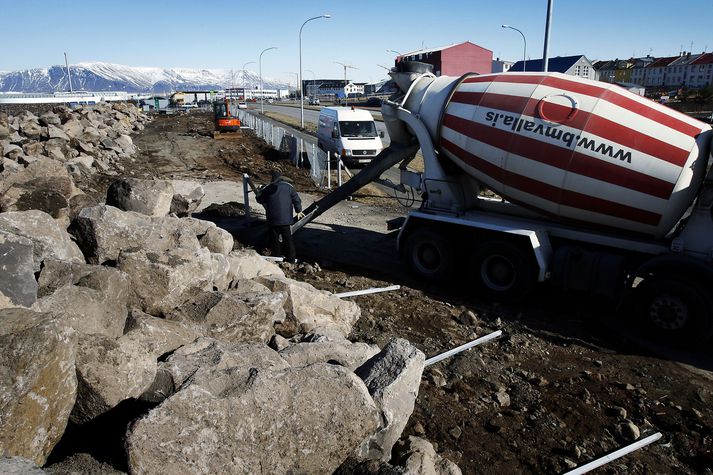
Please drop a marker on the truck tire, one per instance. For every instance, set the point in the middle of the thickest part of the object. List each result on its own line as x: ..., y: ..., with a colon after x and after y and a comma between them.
x: 673, y: 309
x: 503, y: 271
x: 430, y: 255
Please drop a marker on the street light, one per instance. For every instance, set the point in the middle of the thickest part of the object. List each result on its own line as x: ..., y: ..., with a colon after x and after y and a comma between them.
x: 262, y: 93
x: 524, y: 51
x: 393, y: 51
x: 346, y: 94
x: 314, y: 80
x: 243, y: 70
x: 302, y: 102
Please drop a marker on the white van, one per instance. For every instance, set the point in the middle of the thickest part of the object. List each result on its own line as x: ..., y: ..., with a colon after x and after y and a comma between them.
x: 348, y: 133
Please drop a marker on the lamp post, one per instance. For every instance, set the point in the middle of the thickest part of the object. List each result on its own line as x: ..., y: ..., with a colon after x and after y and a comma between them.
x: 346, y: 94
x: 314, y: 80
x: 524, y: 51
x: 302, y: 102
x: 262, y: 94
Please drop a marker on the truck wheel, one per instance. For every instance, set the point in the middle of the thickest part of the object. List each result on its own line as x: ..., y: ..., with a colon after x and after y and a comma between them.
x: 673, y: 309
x: 503, y: 271
x: 430, y: 255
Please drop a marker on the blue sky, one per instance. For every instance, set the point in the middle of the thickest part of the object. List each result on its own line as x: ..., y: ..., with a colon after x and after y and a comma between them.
x: 226, y: 34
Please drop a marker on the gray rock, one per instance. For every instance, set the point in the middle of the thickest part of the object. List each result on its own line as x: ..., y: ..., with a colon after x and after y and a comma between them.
x: 33, y: 148
x: 44, y: 184
x: 418, y: 457
x: 149, y: 197
x: 50, y: 118
x: 31, y: 129
x: 344, y: 352
x: 102, y: 232
x: 37, y: 382
x: 248, y: 264
x: 55, y: 132
x: 220, y: 271
x: 304, y: 420
x: 392, y: 377
x: 19, y: 466
x: 17, y: 280
x: 231, y: 317
x: 308, y: 308
x: 12, y: 151
x: 110, y: 371
x: 163, y: 281
x: 90, y: 299
x: 627, y: 431
x: 187, y: 196
x: 4, y: 131
x: 217, y: 240
x: 48, y: 238
x: 157, y: 335
x: 73, y: 128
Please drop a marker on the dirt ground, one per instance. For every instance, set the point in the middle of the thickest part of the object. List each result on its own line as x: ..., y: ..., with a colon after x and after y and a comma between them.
x: 564, y: 385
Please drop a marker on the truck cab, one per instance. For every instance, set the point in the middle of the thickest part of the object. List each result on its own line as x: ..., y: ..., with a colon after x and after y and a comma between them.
x: 349, y: 134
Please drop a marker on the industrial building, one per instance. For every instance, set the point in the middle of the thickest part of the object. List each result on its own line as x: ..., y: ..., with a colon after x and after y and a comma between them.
x: 453, y: 60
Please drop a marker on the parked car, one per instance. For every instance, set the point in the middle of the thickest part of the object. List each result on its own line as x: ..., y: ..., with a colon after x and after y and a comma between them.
x: 313, y: 101
x: 242, y: 105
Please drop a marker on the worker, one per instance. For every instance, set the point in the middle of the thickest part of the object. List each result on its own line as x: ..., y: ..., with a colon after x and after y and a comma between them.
x: 278, y: 198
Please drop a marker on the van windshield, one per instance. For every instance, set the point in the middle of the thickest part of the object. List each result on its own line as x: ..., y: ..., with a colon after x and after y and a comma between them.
x: 358, y: 129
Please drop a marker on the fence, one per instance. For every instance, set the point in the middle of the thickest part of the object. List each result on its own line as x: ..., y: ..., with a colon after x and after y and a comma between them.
x: 302, y: 153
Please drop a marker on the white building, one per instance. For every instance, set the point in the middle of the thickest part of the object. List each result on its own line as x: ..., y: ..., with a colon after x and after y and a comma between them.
x: 500, y: 66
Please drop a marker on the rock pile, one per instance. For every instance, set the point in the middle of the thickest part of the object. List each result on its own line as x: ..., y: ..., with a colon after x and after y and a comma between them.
x: 244, y: 369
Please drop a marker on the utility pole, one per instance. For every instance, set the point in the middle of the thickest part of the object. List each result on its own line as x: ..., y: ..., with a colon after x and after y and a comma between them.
x: 548, y: 25
x: 69, y: 76
x: 346, y: 95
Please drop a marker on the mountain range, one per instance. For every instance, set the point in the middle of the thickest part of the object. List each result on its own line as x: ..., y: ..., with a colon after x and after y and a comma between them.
x: 99, y: 76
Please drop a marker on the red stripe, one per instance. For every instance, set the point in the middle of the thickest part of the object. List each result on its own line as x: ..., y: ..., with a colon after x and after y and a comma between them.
x: 560, y: 157
x: 586, y: 121
x: 553, y: 193
x: 632, y: 105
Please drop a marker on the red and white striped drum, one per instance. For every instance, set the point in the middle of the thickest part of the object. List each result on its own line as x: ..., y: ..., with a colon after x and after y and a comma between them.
x: 577, y: 149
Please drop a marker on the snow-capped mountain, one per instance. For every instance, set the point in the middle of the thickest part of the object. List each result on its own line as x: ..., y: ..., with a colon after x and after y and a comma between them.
x: 115, y: 77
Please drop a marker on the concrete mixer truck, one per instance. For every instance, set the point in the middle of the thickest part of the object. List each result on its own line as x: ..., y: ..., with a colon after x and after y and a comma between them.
x: 596, y: 190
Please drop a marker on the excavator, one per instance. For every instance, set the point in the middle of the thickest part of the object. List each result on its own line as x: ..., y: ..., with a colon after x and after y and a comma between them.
x: 226, y: 124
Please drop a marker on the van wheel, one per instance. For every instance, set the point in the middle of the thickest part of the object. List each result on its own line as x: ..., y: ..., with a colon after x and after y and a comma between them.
x: 430, y: 255
x: 673, y: 309
x: 502, y: 271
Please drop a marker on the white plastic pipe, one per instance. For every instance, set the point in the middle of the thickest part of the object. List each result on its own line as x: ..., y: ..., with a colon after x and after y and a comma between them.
x: 373, y: 290
x: 273, y: 258
x: 615, y: 455
x: 466, y: 346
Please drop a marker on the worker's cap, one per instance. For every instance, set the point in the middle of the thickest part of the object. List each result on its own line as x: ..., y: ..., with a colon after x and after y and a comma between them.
x: 275, y: 176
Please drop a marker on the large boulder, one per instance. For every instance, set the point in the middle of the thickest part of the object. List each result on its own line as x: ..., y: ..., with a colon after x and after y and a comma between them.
x: 110, y: 371
x: 343, y: 352
x: 230, y: 316
x: 187, y: 196
x: 102, y: 232
x: 44, y: 185
x: 38, y: 382
x: 19, y: 466
x: 248, y: 264
x: 90, y: 299
x: 48, y: 238
x: 17, y: 280
x: 296, y: 420
x: 162, y: 281
x: 73, y: 128
x: 392, y: 377
x: 149, y: 197
x: 158, y: 336
x: 308, y: 309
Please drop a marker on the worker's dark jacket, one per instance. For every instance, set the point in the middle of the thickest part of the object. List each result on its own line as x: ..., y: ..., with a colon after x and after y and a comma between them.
x: 278, y: 198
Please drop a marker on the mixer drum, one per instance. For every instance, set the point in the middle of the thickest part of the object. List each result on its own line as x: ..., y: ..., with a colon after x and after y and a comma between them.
x: 582, y: 150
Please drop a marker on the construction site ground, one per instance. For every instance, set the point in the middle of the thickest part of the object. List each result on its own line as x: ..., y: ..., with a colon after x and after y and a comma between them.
x: 568, y: 381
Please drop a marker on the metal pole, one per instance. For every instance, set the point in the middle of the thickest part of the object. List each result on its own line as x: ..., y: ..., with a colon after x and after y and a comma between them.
x: 69, y: 76
x: 243, y: 69
x: 262, y: 109
x: 548, y: 25
x: 302, y: 102
x: 246, y: 197
x: 373, y: 290
x: 458, y: 349
x: 615, y: 455
x: 329, y: 170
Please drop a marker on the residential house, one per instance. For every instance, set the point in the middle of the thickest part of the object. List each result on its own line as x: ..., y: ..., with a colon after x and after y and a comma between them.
x: 578, y: 66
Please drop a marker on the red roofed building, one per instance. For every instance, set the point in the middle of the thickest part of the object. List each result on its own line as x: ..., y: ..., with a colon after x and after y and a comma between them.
x: 453, y: 60
x: 689, y: 70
